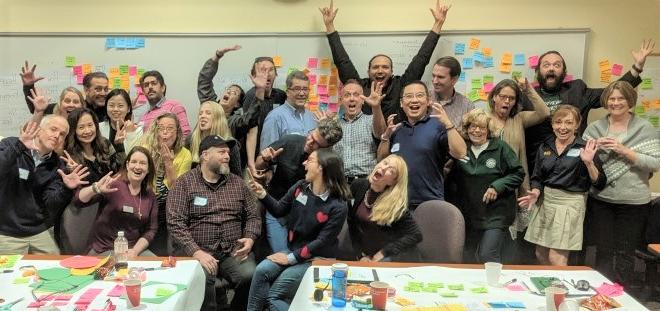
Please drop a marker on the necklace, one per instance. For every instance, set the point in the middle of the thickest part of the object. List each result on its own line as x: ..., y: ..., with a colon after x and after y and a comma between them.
x: 137, y: 202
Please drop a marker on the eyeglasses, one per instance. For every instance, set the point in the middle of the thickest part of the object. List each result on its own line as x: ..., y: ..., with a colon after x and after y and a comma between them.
x: 410, y: 96
x: 507, y: 98
x: 299, y: 89
x: 166, y: 129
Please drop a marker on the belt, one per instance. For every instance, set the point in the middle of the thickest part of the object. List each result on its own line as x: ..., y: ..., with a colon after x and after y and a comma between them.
x: 351, y: 178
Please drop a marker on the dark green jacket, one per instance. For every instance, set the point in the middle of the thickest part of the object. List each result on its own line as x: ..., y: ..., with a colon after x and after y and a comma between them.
x: 497, y: 167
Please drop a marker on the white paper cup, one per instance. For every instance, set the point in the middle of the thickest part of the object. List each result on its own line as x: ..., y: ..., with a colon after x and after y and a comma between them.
x: 569, y: 305
x: 554, y: 297
x: 493, y: 272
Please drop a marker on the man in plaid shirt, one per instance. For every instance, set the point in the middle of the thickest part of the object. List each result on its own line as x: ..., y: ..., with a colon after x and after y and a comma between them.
x: 212, y: 216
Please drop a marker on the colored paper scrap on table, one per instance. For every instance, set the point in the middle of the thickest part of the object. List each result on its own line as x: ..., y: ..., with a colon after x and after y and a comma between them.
x: 479, y: 290
x: 69, y: 61
x: 610, y: 290
x: 519, y: 59
x: 109, y: 42
x: 604, y: 65
x: 516, y: 75
x: 476, y: 84
x: 533, y: 61
x: 474, y: 43
x: 479, y: 57
x: 617, y: 69
x: 488, y: 87
x: 489, y: 62
x: 22, y: 280
x: 79, y: 262
x: 506, y: 68
x: 473, y: 96
x: 459, y: 48
x: 647, y: 84
x: 461, y: 78
x: 468, y: 63
x: 515, y: 304
x: 488, y: 79
x: 323, y: 79
x: 123, y: 69
x: 448, y: 294
x: 53, y: 273
x: 498, y: 305
x: 325, y: 63
x: 507, y: 58
x: 150, y: 291
x: 312, y: 62
x: 277, y: 61
x: 515, y: 287
x: 487, y: 51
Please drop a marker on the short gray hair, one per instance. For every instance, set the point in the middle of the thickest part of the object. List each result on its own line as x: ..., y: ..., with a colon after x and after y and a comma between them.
x: 296, y: 74
x: 330, y: 130
x: 45, y: 121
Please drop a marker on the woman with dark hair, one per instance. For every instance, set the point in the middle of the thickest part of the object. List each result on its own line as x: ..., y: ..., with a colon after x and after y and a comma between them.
x: 631, y: 154
x: 127, y: 204
x: 379, y: 222
x: 316, y: 210
x: 120, y: 128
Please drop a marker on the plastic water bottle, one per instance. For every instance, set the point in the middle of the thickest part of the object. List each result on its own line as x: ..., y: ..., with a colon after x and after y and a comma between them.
x: 339, y: 288
x: 121, y: 251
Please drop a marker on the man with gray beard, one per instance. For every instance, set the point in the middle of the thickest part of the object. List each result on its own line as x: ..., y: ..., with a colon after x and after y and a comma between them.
x: 212, y: 216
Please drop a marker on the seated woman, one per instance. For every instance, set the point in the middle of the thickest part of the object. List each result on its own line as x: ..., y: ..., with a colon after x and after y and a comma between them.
x: 120, y: 129
x: 164, y: 140
x: 489, y: 175
x: 565, y: 169
x: 379, y: 223
x: 127, y: 204
x: 211, y: 121
x: 316, y: 210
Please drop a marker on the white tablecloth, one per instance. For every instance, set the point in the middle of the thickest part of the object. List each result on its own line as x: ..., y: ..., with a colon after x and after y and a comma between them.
x: 470, y: 278
x: 187, y: 272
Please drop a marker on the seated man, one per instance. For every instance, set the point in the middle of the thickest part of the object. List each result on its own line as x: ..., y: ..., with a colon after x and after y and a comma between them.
x: 424, y: 141
x: 31, y: 191
x: 212, y: 216
x: 154, y: 88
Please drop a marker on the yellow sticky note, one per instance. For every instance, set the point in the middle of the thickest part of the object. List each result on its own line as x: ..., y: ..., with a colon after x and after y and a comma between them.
x: 487, y: 51
x: 325, y: 63
x: 483, y: 95
x: 277, y: 60
x: 323, y: 79
x: 604, y: 65
x: 137, y: 79
x: 506, y: 68
x: 114, y: 72
x: 474, y: 43
x: 507, y: 58
x: 86, y: 68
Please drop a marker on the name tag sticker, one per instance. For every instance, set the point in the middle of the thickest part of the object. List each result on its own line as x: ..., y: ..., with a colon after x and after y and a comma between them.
x: 23, y: 173
x: 395, y: 148
x: 302, y: 198
x: 574, y: 152
x: 200, y: 201
x: 127, y: 209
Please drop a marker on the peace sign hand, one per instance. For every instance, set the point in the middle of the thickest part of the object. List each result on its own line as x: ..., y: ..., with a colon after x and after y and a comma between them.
x: 121, y: 133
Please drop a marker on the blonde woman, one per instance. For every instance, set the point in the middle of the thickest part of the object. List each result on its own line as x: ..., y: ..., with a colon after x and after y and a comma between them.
x: 211, y: 120
x: 379, y: 222
x: 171, y: 159
x: 70, y: 98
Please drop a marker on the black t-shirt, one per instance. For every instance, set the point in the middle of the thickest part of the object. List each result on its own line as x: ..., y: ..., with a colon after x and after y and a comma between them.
x: 289, y: 164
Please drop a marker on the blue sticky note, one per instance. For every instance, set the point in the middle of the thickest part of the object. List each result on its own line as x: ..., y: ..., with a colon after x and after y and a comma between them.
x: 498, y: 305
x: 489, y: 62
x: 131, y: 43
x: 478, y: 57
x: 120, y: 43
x: 140, y: 42
x: 519, y: 59
x: 459, y: 48
x: 323, y: 106
x: 109, y: 42
x: 461, y: 78
x: 515, y: 304
x: 468, y: 63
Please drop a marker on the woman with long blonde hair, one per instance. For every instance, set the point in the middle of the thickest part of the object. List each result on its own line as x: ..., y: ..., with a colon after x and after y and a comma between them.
x: 379, y: 222
x: 211, y: 120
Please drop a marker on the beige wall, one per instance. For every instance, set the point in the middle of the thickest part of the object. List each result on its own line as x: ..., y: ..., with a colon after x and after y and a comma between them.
x: 617, y: 26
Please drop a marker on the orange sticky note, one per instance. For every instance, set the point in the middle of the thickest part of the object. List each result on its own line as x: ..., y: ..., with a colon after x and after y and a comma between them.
x: 487, y: 51
x: 325, y: 63
x: 332, y: 90
x: 507, y: 58
x: 656, y: 104
x: 277, y: 60
x: 323, y: 79
x: 506, y: 68
x: 137, y: 79
x: 604, y: 65
x: 114, y: 72
x: 333, y: 80
x: 483, y: 95
x: 313, y: 106
x: 313, y: 98
x: 86, y: 68
x: 474, y: 43
x: 334, y: 71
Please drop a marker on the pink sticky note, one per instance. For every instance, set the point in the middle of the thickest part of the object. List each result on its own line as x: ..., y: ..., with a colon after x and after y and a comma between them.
x: 324, y: 98
x: 64, y: 297
x: 79, y: 79
x: 515, y: 287
x: 36, y: 304
x: 533, y: 61
x: 617, y: 69
x: 488, y: 87
x: 77, y: 70
x: 568, y: 78
x: 59, y: 303
x: 322, y: 90
x: 312, y: 62
x: 312, y: 78
x: 132, y: 70
x: 116, y: 291
x: 611, y: 290
x: 332, y: 107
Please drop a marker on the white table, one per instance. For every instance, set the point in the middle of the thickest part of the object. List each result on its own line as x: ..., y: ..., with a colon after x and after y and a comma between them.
x: 399, y: 276
x: 186, y: 272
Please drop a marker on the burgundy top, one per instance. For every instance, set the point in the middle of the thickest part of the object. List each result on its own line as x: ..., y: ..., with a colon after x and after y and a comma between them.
x: 137, y: 216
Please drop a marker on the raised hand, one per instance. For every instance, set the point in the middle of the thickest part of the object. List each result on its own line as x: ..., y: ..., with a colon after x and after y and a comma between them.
x: 375, y: 97
x: 644, y: 51
x: 589, y: 151
x: 75, y: 178
x: 39, y: 101
x: 260, y: 77
x: 219, y: 53
x: 28, y: 76
x: 105, y: 183
x: 526, y: 202
x: 70, y: 162
x: 523, y: 84
x: 268, y: 154
x: 320, y: 115
x: 439, y: 14
x: 329, y: 14
x: 28, y: 133
x: 391, y: 127
x: 166, y: 154
x: 120, y: 135
x: 130, y: 126
x: 256, y: 187
x: 490, y: 195
x: 439, y: 113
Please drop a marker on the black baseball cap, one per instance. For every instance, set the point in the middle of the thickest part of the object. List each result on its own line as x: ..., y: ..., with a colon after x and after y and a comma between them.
x: 215, y: 141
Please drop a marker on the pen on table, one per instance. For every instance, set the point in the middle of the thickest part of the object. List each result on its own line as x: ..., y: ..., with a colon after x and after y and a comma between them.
x: 156, y: 268
x: 6, y: 271
x: 510, y: 282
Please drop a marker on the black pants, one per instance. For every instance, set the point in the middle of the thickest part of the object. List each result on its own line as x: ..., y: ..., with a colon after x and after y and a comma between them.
x: 617, y: 230
x: 485, y: 245
x: 239, y: 275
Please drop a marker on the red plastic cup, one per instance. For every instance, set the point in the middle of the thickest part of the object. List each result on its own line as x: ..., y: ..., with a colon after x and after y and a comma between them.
x: 379, y: 294
x: 133, y: 289
x: 554, y: 296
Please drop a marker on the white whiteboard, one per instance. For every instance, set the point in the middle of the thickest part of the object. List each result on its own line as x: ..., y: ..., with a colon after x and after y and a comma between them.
x: 180, y: 56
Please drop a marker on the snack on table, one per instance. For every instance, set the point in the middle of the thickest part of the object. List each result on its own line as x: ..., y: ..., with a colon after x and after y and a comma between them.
x: 357, y: 290
x: 402, y: 301
x: 600, y: 302
x: 169, y: 262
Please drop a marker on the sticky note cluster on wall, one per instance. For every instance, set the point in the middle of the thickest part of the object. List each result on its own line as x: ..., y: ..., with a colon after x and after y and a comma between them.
x: 124, y: 43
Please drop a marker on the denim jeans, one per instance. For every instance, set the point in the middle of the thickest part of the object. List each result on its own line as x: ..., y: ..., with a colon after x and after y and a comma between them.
x: 275, y: 285
x: 277, y: 234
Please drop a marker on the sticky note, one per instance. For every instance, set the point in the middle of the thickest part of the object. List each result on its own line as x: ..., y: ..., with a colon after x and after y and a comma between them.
x: 86, y: 68
x: 604, y: 65
x: 617, y: 69
x: 77, y: 70
x: 483, y: 95
x: 109, y: 42
x: 132, y: 70
x: 605, y: 76
x: 322, y: 89
x: 323, y: 79
x: 473, y: 96
x: 333, y: 107
x: 436, y: 284
x: 479, y: 290
x: 479, y: 57
x: 489, y: 62
x: 507, y: 58
x: 114, y: 72
x: 459, y: 48
x: 515, y: 304
x: 533, y: 61
x: 22, y: 280
x: 647, y: 84
x: 488, y: 87
x: 468, y: 63
x: 332, y: 90
x: 139, y: 43
x: 654, y: 120
x: 277, y: 61
x: 312, y: 62
x: 332, y: 80
x: 519, y: 59
x: 120, y: 43
x: 334, y: 71
x: 123, y: 69
x: 325, y: 63
x: 498, y: 305
x: 131, y: 43
x: 412, y: 289
x: 506, y: 68
x: 487, y: 51
x: 313, y: 106
x: 476, y: 84
x: 461, y: 78
x: 639, y: 110
x: 516, y: 75
x: 140, y: 71
x: 515, y: 287
x: 79, y: 79
x: 448, y: 295
x: 488, y: 79
x: 474, y: 43
x: 290, y: 70
x: 312, y: 78
x: 69, y: 61
x: 430, y: 289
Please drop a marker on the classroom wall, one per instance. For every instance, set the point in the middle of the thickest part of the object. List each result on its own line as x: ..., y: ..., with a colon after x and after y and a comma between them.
x: 617, y: 26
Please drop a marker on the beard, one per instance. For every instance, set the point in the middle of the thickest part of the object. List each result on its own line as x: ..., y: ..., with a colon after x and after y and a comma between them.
x: 220, y: 168
x: 543, y: 81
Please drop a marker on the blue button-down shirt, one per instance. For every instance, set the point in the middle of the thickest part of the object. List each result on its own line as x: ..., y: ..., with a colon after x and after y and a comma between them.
x: 284, y: 120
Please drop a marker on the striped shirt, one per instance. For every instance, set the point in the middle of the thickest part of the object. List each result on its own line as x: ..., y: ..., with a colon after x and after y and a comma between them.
x: 357, y: 147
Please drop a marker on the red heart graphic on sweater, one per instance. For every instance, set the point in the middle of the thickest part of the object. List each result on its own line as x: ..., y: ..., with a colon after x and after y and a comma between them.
x: 296, y: 192
x: 321, y: 217
x: 304, y: 252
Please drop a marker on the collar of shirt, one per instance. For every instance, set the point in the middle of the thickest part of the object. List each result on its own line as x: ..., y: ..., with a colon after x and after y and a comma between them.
x: 422, y: 120
x: 448, y: 101
x: 354, y: 119
x: 158, y: 104
x: 293, y: 109
x: 39, y: 158
x: 323, y: 196
x: 221, y: 181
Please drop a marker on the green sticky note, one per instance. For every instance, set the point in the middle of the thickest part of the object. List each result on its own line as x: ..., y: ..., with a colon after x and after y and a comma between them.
x: 455, y: 286
x: 123, y: 69
x: 291, y: 69
x: 479, y: 290
x: 162, y: 292
x: 647, y: 84
x: 488, y: 79
x: 476, y: 84
x: 639, y: 110
x: 473, y: 96
x: 448, y: 294
x: 416, y: 284
x: 53, y: 273
x: 116, y: 82
x: 516, y: 75
x: 655, y: 121
x: 140, y: 71
x: 413, y: 289
x: 23, y: 280
x: 69, y: 61
x: 430, y: 289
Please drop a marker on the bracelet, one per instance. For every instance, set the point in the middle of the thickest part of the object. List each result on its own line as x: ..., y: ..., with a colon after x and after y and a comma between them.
x: 450, y: 128
x: 95, y: 188
x: 639, y: 70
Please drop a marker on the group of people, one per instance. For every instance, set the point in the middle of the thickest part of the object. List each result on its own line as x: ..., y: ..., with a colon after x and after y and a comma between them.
x: 261, y: 185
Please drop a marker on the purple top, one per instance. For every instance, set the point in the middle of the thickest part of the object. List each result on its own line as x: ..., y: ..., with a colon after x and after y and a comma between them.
x: 137, y: 216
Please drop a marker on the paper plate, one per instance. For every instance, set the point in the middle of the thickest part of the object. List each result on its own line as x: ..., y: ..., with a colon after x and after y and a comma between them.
x: 150, y: 291
x: 79, y: 262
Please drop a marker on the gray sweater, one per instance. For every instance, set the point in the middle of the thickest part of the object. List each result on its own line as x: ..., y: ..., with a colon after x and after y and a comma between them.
x: 627, y: 182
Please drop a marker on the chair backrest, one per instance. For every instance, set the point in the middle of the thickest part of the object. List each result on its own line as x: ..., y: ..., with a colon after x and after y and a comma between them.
x: 76, y: 228
x: 653, y: 222
x: 345, y: 247
x: 443, y: 228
